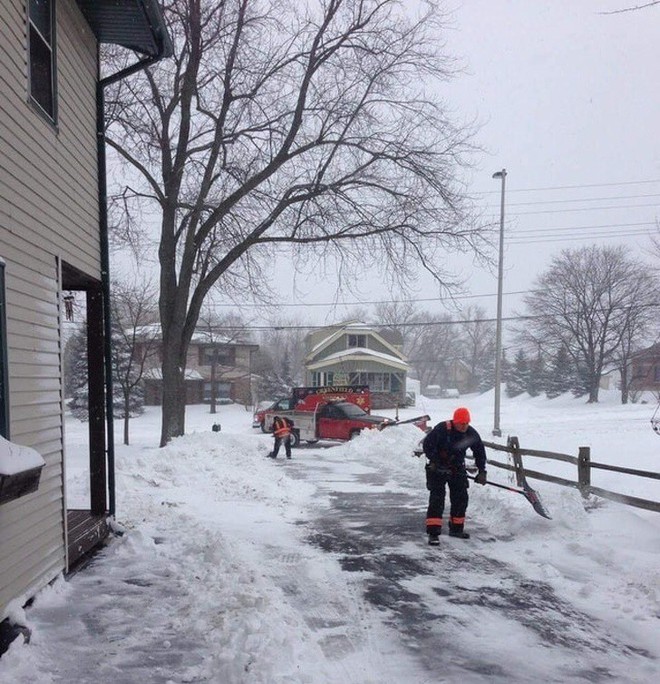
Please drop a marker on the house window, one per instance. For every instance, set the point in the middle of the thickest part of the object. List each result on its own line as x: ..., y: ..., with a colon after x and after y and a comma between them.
x: 378, y: 382
x: 222, y: 391
x: 357, y: 341
x: 320, y: 379
x: 223, y: 356
x: 4, y: 386
x: 41, y: 21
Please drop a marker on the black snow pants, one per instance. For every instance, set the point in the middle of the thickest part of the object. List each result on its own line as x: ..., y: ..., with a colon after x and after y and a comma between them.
x: 436, y: 482
x: 287, y: 446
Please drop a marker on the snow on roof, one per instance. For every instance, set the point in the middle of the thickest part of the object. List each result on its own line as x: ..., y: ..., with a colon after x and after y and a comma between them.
x: 157, y: 374
x: 341, y: 328
x: 153, y: 330
x: 362, y: 351
x: 211, y: 337
x: 17, y: 459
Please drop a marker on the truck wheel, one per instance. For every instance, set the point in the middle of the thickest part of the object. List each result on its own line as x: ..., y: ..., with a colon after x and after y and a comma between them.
x: 354, y: 434
x: 295, y: 438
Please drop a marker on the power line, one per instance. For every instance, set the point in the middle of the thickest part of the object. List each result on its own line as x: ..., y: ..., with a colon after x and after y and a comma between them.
x: 581, y: 199
x: 409, y: 324
x: 530, y: 240
x: 570, y: 187
x: 382, y: 301
x: 515, y: 231
x: 565, y: 211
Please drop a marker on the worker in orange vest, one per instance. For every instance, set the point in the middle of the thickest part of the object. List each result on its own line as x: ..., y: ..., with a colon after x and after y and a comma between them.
x: 282, y: 428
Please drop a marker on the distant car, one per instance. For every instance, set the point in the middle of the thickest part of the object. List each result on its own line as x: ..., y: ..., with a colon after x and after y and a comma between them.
x: 450, y: 393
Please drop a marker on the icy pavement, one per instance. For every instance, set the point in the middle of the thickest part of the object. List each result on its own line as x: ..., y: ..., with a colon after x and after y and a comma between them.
x: 238, y: 569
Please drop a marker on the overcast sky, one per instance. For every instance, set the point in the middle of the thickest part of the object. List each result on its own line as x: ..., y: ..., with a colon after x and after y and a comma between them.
x: 567, y: 100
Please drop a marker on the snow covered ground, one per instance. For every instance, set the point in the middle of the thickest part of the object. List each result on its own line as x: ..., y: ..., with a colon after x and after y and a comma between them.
x: 235, y: 568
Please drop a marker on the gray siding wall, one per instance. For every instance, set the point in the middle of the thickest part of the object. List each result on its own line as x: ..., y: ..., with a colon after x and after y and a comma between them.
x: 48, y: 209
x: 341, y: 344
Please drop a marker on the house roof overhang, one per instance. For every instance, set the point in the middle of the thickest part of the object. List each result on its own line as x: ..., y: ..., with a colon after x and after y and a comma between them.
x: 359, y: 355
x: 134, y: 24
x: 349, y: 328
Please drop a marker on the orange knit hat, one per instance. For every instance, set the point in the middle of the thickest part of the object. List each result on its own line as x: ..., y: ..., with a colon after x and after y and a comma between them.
x: 461, y: 415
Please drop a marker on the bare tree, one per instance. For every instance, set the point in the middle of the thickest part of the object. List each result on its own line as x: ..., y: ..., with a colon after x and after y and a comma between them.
x: 477, y: 336
x: 431, y: 346
x: 218, y: 333
x: 281, y: 357
x: 134, y: 311
x: 655, y: 248
x: 306, y: 123
x: 431, y: 341
x: 593, y: 302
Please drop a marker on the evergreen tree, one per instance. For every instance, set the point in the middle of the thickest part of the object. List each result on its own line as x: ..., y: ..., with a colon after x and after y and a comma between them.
x: 536, y: 377
x: 518, y: 376
x: 78, y: 372
x: 285, y: 373
x: 581, y: 380
x: 559, y: 375
x: 487, y: 376
x: 270, y: 384
x: 487, y: 372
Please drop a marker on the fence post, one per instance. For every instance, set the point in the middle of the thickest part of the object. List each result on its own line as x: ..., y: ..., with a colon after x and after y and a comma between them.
x: 584, y: 470
x: 514, y: 445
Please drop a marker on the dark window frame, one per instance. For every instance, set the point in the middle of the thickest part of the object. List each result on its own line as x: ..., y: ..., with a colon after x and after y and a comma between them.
x: 222, y: 390
x: 4, y: 375
x: 222, y: 355
x: 42, y: 58
x: 353, y: 340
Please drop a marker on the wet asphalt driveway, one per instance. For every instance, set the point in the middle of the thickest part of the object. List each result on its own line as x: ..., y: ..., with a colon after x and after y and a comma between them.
x: 444, y: 602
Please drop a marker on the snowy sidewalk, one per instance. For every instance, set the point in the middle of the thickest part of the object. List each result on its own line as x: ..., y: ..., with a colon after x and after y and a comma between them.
x: 238, y: 569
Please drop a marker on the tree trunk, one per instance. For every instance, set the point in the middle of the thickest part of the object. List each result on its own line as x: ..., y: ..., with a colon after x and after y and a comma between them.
x: 127, y: 400
x: 174, y: 394
x: 624, y: 384
x: 215, y: 360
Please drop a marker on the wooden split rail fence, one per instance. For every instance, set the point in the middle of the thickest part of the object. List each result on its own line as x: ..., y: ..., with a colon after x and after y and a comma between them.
x: 584, y: 466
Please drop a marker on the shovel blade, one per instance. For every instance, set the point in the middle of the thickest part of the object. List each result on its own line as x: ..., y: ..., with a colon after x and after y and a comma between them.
x: 533, y: 498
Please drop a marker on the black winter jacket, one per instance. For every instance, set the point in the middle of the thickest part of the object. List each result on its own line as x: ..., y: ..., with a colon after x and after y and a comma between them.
x: 445, y: 447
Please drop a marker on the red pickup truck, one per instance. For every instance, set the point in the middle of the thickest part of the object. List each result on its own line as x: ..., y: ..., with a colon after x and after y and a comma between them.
x: 337, y: 421
x: 308, y: 398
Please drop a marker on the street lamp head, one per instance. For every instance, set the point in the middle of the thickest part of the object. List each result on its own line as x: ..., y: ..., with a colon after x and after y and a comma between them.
x: 500, y: 174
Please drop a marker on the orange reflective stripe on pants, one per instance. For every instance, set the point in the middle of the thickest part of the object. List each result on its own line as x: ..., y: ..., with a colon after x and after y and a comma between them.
x: 434, y: 521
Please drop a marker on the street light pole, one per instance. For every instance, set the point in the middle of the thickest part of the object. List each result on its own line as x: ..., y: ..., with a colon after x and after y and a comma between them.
x: 498, y: 334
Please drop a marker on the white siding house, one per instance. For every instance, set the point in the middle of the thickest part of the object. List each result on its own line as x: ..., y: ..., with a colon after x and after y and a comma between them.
x: 51, y: 240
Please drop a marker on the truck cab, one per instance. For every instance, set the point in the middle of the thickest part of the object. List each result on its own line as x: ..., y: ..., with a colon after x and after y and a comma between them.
x: 259, y: 418
x: 343, y: 421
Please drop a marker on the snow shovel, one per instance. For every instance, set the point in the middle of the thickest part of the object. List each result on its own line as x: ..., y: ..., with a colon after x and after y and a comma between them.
x: 417, y: 419
x: 527, y: 492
